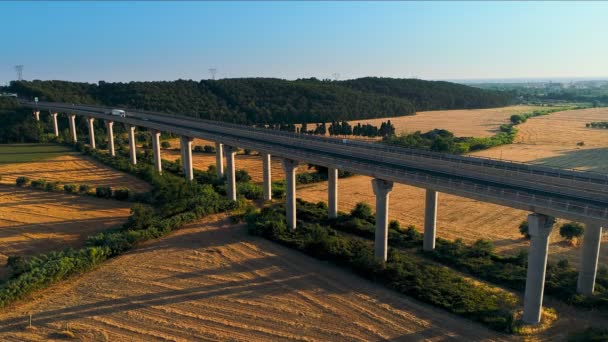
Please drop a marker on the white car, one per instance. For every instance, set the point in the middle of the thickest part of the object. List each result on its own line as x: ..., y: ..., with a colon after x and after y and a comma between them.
x: 118, y: 112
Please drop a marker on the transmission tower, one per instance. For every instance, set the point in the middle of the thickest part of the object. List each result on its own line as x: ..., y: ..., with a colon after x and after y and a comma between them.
x: 213, y: 72
x: 19, y: 70
x: 336, y: 76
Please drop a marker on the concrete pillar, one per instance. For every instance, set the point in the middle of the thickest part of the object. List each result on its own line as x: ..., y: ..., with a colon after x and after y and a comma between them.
x: 186, y: 147
x: 539, y: 228
x: 290, y: 167
x: 110, y: 126
x: 219, y: 159
x: 231, y: 175
x: 382, y: 190
x: 37, y: 115
x: 266, y: 168
x: 589, y: 257
x: 132, y: 149
x: 72, y: 122
x: 156, y: 149
x: 332, y: 192
x: 55, y: 127
x: 91, y: 132
x: 430, y: 220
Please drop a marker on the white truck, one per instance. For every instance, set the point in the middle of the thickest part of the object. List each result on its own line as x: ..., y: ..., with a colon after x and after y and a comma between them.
x: 118, y: 112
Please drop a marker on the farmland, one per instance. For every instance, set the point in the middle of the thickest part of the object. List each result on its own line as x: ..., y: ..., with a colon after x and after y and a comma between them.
x: 211, y: 280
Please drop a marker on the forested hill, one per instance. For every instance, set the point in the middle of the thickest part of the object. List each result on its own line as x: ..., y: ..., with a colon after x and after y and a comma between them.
x: 267, y: 100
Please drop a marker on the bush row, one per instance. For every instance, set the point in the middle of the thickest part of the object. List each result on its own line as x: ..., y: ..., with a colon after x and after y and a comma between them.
x: 121, y: 194
x: 478, y: 259
x: 175, y: 203
x: 425, y: 281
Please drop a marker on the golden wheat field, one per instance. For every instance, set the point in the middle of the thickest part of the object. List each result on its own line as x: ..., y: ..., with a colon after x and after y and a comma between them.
x: 71, y: 169
x: 33, y: 221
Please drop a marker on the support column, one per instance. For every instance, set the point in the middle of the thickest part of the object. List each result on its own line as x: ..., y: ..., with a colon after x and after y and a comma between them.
x: 91, y: 132
x: 55, y: 127
x: 156, y: 149
x: 231, y: 175
x: 430, y: 220
x: 37, y: 115
x: 132, y: 149
x: 290, y: 166
x: 186, y: 147
x: 219, y: 159
x: 110, y: 126
x: 266, y: 167
x: 72, y: 122
x: 382, y: 189
x: 539, y: 228
x: 332, y: 192
x: 589, y: 257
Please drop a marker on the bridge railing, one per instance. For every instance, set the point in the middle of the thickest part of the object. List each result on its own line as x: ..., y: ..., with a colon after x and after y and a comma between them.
x: 520, y: 167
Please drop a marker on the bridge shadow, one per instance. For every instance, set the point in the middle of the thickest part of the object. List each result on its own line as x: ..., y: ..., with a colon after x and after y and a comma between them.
x: 593, y: 159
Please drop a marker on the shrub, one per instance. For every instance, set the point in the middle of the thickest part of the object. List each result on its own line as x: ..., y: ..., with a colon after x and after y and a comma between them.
x: 198, y: 148
x: 70, y: 188
x: 38, y: 184
x: 51, y: 186
x: 250, y: 191
x: 242, y: 176
x: 103, y: 192
x: 84, y: 188
x: 121, y: 194
x: 165, y: 144
x: 209, y: 149
x: 523, y: 229
x: 572, y: 230
x: 363, y: 211
x: 22, y: 181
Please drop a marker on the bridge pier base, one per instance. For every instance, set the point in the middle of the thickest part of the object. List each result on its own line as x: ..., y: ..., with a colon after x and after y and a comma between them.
x: 156, y: 149
x: 382, y: 189
x: 267, y: 174
x: 539, y: 228
x: 290, y: 167
x: 230, y: 152
x: 91, y: 132
x: 110, y: 126
x: 37, y: 115
x: 430, y: 220
x: 332, y: 192
x: 219, y: 159
x: 589, y: 258
x: 72, y: 122
x: 132, y: 148
x: 186, y: 148
x: 55, y: 126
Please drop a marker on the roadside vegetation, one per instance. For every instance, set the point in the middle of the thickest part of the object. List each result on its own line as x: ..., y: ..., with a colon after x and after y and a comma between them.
x: 599, y: 124
x: 441, y: 140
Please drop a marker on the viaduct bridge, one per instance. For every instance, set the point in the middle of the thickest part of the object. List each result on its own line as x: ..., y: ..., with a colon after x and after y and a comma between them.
x: 546, y: 192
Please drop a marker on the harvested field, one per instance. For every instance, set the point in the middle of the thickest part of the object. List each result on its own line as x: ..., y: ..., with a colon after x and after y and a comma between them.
x: 212, y: 281
x: 33, y: 222
x: 552, y: 140
x: 72, y: 169
x: 463, y: 123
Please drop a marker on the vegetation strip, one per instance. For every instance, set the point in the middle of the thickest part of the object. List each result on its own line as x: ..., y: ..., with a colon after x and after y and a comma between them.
x: 433, y: 284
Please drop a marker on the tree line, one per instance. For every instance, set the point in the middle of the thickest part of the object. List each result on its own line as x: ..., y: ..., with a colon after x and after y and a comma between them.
x: 268, y: 100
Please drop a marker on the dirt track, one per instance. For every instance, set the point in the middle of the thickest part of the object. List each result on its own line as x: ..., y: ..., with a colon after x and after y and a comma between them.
x: 212, y: 281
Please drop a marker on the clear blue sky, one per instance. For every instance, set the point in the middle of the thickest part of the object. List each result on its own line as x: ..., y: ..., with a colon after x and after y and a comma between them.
x: 116, y: 41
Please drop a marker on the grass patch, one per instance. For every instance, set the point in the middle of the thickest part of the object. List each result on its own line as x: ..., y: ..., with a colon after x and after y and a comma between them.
x: 25, y: 153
